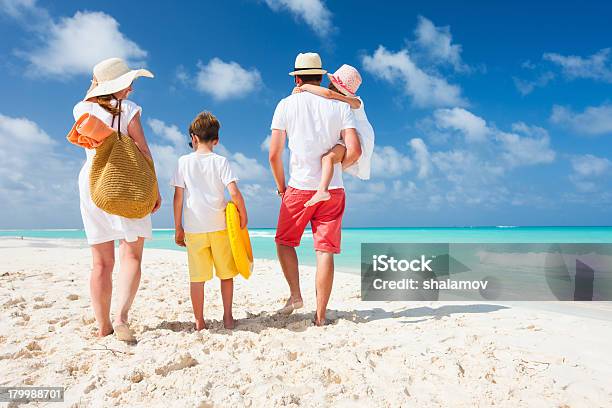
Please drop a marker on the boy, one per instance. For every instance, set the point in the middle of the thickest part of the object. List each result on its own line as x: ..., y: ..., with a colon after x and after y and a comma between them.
x: 199, y: 185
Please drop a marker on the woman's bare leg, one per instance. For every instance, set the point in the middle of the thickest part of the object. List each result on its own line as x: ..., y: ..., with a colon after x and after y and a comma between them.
x: 335, y: 155
x: 129, y: 277
x: 101, y: 285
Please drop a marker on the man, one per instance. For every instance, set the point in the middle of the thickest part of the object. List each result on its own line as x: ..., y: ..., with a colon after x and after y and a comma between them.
x: 313, y: 125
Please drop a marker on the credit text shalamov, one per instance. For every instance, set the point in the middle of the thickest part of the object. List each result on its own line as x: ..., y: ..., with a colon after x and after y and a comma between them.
x: 385, y: 263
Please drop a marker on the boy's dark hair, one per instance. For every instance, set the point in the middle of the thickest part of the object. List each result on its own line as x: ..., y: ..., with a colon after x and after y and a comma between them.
x: 311, y: 78
x: 205, y: 127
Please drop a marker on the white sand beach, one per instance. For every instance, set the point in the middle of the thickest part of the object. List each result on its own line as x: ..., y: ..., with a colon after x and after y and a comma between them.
x: 375, y: 354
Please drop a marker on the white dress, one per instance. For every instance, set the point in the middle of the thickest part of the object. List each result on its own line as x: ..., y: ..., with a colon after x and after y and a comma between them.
x: 365, y: 131
x: 101, y: 226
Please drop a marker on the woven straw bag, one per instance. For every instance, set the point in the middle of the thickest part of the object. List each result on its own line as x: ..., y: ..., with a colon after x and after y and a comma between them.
x: 122, y: 180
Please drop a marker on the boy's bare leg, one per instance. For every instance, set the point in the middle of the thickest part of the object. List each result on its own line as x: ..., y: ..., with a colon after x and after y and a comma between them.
x: 197, y: 301
x: 335, y: 155
x: 227, y: 294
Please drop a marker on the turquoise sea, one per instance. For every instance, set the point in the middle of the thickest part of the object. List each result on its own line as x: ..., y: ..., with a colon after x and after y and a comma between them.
x: 263, y: 238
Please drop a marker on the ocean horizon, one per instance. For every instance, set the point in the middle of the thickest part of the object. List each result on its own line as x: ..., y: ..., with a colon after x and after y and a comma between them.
x: 349, y: 260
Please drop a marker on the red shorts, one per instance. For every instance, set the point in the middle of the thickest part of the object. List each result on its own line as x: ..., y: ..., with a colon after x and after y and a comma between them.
x: 325, y: 219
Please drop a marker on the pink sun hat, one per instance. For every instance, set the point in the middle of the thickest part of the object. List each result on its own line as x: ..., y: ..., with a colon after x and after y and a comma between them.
x: 346, y: 79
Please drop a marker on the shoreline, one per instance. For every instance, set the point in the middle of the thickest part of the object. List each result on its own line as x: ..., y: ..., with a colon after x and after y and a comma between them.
x: 599, y: 310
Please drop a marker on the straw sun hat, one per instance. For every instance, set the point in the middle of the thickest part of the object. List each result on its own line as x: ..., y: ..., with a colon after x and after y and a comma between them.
x: 308, y: 63
x: 346, y: 79
x: 113, y: 75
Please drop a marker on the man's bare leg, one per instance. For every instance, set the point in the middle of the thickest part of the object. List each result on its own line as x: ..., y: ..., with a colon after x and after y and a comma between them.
x: 324, y: 282
x: 335, y: 155
x: 289, y: 263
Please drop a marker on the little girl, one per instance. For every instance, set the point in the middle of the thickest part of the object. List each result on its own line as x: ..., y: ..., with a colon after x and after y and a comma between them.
x: 343, y: 87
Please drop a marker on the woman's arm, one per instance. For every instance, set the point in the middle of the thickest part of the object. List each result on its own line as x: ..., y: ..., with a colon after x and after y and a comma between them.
x: 137, y: 134
x: 179, y: 232
x: 239, y: 201
x: 354, y: 102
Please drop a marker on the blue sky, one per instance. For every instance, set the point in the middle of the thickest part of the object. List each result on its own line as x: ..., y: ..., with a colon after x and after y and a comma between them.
x: 488, y: 114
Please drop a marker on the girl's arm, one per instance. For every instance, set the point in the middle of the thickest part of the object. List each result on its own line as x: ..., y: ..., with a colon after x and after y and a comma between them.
x: 354, y: 102
x: 239, y: 201
x: 179, y: 232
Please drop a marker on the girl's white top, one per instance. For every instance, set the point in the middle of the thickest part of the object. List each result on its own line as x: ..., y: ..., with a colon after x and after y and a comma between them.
x: 101, y: 226
x: 365, y: 132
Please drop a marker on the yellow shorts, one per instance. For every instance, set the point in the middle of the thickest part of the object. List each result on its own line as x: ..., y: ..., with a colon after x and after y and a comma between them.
x: 208, y: 249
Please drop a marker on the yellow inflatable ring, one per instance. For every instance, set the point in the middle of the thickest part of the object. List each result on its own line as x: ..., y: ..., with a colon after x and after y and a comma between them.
x: 239, y: 241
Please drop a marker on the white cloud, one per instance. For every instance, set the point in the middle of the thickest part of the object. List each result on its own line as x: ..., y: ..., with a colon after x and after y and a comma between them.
x: 23, y: 9
x: 525, y: 87
x: 265, y: 145
x: 590, y: 166
x: 170, y: 133
x: 387, y: 162
x: 245, y: 168
x: 586, y: 169
x: 166, y: 158
x: 473, y: 127
x: 34, y: 177
x: 596, y: 66
x: 421, y: 156
x: 226, y: 80
x: 526, y: 145
x: 404, y: 188
x: 313, y: 12
x: 425, y: 89
x: 436, y: 42
x: 595, y: 120
x: 75, y: 44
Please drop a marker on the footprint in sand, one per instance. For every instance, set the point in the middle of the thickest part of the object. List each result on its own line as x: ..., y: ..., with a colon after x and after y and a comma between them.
x: 33, y: 346
x: 87, y: 320
x: 183, y: 361
x: 329, y: 376
x: 42, y: 305
x: 14, y: 302
x: 72, y: 297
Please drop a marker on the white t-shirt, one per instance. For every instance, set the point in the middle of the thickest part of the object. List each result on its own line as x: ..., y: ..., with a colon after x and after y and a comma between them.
x: 313, y: 125
x: 204, y: 176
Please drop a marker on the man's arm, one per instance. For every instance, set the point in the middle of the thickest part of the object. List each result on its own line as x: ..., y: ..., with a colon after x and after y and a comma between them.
x: 277, y: 146
x: 353, y: 147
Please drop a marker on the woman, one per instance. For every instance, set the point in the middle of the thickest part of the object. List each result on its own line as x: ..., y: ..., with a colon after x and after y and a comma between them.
x: 111, y: 83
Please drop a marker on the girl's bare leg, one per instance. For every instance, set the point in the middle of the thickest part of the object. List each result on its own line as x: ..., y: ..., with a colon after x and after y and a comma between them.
x: 101, y: 285
x: 197, y: 301
x: 227, y: 294
x: 335, y: 155
x: 129, y: 277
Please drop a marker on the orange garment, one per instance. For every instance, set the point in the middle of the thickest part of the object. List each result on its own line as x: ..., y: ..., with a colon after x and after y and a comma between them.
x: 89, y: 132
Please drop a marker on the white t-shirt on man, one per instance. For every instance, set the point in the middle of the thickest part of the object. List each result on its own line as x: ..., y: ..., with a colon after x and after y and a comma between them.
x: 204, y: 176
x: 313, y: 125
